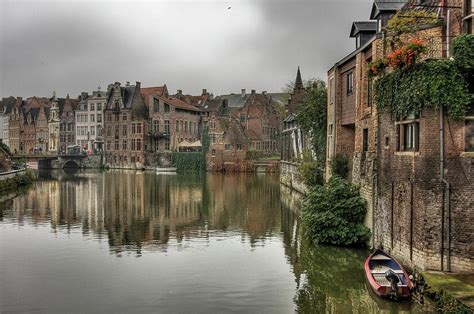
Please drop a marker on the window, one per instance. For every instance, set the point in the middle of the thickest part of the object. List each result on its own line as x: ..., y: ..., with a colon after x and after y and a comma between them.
x: 124, y: 130
x: 92, y: 118
x: 469, y: 127
x: 117, y: 145
x: 227, y: 146
x: 134, y: 128
x: 139, y: 128
x: 117, y: 131
x: 99, y: 130
x: 239, y: 146
x: 109, y: 117
x: 185, y: 126
x: 408, y: 131
x: 92, y: 107
x: 109, y: 130
x: 124, y: 116
x: 99, y: 107
x: 134, y: 144
x: 349, y: 83
x: 167, y: 108
x: 124, y: 145
x: 177, y: 126
x: 365, y: 140
x: 99, y: 117
x: 117, y: 117
x: 92, y: 131
x: 167, y: 144
x: 242, y: 117
x: 156, y: 105
x: 167, y: 126
x: 139, y: 144
x: 213, y: 124
x: 156, y: 126
x: 213, y: 152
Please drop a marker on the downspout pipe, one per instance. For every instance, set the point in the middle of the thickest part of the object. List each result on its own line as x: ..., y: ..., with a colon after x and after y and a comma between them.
x: 446, y: 206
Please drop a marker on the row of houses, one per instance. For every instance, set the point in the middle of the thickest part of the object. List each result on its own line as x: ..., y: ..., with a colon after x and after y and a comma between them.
x: 138, y: 127
x: 415, y: 171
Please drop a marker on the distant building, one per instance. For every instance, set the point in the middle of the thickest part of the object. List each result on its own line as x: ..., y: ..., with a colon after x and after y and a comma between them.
x: 89, y: 120
x: 53, y: 125
x: 5, y: 110
x: 67, y: 125
x: 14, y: 126
x: 126, y: 125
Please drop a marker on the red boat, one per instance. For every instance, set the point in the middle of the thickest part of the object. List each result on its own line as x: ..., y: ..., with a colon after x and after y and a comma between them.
x: 386, y: 276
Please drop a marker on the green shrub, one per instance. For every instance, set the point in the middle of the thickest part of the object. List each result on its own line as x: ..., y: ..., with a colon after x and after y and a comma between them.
x: 188, y: 161
x: 254, y: 155
x: 309, y: 170
x: 340, y: 165
x: 334, y: 214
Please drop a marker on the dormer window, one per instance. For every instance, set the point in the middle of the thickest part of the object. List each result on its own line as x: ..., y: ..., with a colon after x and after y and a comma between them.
x: 357, y: 41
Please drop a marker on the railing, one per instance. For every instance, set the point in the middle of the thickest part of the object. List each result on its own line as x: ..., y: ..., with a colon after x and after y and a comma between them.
x: 11, y: 174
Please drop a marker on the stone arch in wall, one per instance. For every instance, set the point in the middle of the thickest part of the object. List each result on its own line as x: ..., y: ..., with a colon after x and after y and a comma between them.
x: 71, y: 164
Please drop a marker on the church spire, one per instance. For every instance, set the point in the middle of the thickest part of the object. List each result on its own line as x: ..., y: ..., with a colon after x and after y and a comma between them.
x: 298, y: 81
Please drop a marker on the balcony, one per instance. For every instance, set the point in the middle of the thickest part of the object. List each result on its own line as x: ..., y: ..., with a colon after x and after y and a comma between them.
x: 156, y: 134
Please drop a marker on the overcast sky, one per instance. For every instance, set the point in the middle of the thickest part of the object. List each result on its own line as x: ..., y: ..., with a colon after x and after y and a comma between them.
x: 74, y: 46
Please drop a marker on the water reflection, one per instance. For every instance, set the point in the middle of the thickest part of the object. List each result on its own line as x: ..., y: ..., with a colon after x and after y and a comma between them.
x: 240, y: 236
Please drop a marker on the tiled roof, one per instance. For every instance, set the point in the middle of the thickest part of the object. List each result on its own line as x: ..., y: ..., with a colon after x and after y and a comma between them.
x: 152, y: 91
x: 213, y: 105
x: 178, y: 103
x: 369, y: 27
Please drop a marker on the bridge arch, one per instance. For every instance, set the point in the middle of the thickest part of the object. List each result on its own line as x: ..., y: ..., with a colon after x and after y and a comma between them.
x: 71, y: 164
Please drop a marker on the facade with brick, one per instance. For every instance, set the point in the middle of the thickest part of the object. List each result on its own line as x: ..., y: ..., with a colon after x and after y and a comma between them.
x: 126, y: 125
x: 415, y: 172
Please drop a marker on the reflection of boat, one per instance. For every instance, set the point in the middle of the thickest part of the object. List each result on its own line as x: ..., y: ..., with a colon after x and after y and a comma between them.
x: 386, y: 276
x: 167, y: 170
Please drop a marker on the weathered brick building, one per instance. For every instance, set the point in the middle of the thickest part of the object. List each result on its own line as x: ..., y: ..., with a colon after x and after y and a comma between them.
x: 126, y: 125
x: 14, y: 126
x: 415, y: 172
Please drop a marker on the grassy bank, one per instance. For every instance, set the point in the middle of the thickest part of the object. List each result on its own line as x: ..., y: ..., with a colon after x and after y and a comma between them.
x: 23, y: 179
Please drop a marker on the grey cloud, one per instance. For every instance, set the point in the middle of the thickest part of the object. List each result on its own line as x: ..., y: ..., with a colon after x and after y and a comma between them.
x: 49, y: 45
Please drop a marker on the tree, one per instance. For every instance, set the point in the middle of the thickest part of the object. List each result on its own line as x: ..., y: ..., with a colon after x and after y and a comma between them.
x: 311, y: 117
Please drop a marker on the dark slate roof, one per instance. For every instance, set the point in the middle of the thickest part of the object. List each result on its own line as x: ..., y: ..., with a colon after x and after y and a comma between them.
x: 365, y: 27
x: 213, y: 105
x: 127, y: 93
x: 6, y: 104
x: 236, y: 100
x: 380, y: 6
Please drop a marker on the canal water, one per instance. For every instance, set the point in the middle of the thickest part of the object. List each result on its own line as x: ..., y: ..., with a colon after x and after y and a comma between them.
x: 132, y: 241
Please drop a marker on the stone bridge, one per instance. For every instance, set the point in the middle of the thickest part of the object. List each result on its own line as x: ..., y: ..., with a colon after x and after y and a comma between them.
x: 63, y: 161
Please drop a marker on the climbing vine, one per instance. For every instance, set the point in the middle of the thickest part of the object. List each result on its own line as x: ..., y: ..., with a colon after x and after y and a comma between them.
x: 407, y: 21
x: 433, y: 83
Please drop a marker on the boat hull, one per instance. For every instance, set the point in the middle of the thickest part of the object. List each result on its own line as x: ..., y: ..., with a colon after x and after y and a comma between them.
x: 384, y: 290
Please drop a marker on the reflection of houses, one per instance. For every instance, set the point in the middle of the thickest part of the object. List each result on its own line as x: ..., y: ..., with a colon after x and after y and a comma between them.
x: 416, y: 179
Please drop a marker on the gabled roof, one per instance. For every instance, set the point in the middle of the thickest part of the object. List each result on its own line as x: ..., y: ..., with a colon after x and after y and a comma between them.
x: 363, y: 27
x: 236, y: 100
x: 126, y: 93
x: 380, y: 6
x: 178, y: 103
x: 153, y: 91
x: 213, y: 105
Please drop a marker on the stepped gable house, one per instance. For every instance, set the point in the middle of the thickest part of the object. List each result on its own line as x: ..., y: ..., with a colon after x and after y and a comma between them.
x: 14, y: 126
x: 126, y: 126
x: 67, y: 125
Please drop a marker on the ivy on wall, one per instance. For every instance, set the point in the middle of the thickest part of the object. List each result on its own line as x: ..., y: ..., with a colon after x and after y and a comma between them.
x: 188, y: 161
x: 406, y: 21
x: 432, y: 83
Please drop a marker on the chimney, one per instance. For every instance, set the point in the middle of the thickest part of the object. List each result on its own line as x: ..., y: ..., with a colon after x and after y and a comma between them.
x: 179, y: 93
x: 117, y: 90
x: 204, y: 91
x: 264, y: 92
x: 138, y: 85
x: 127, y: 84
x: 243, y: 92
x: 253, y: 91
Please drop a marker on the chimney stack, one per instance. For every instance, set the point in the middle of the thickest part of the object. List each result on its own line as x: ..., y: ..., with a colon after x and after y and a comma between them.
x: 179, y: 93
x: 127, y: 84
x: 204, y: 91
x: 243, y: 92
x: 253, y: 91
x: 138, y: 84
